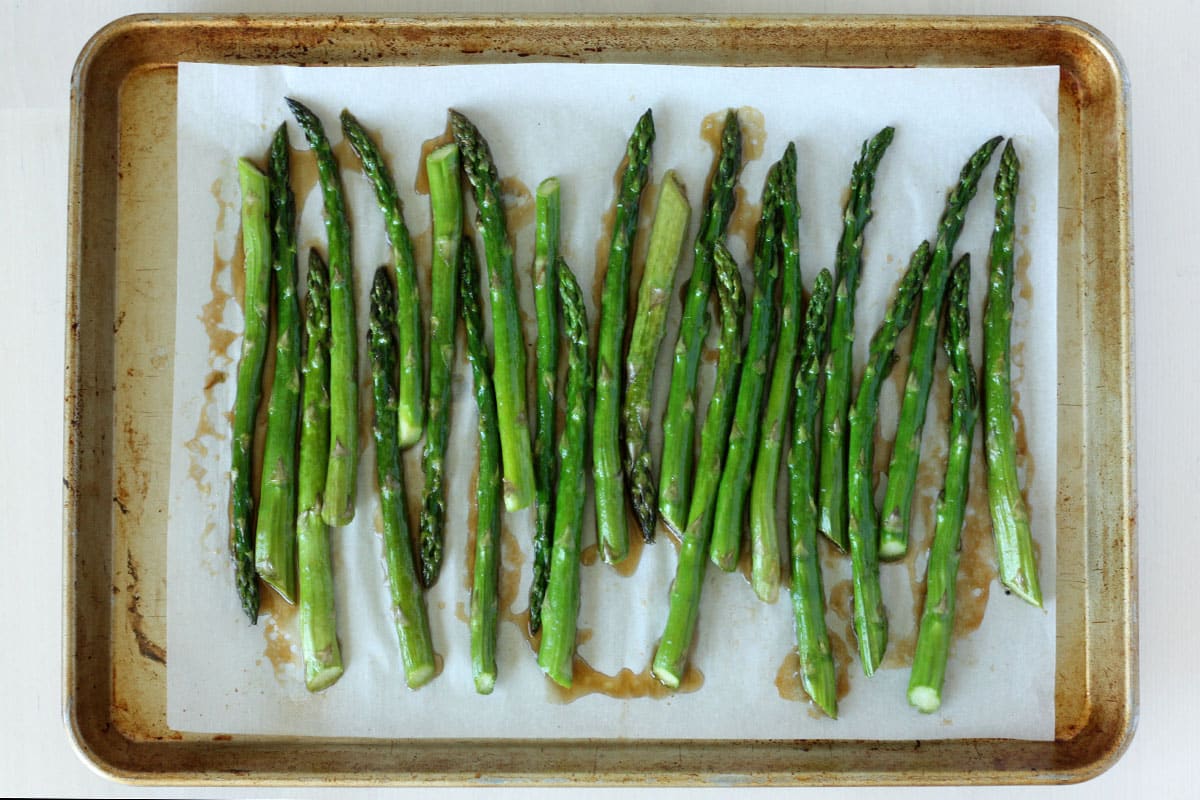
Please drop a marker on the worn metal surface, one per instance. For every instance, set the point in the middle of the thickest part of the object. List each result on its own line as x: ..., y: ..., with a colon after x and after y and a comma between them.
x: 120, y: 330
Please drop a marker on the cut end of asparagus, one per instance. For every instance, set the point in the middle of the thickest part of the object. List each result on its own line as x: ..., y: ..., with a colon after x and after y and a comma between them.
x: 1022, y: 587
x: 485, y: 682
x: 323, y: 676
x: 892, y: 547
x: 277, y: 580
x: 926, y: 699
x: 548, y: 187
x: 420, y: 675
x: 667, y: 675
x: 409, y: 429
x: 614, y: 552
x: 562, y: 674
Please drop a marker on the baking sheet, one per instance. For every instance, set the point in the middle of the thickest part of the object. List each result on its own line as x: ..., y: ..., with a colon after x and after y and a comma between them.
x: 225, y: 676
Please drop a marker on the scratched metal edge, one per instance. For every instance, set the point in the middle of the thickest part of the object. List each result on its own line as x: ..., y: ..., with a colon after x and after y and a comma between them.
x: 1103, y: 732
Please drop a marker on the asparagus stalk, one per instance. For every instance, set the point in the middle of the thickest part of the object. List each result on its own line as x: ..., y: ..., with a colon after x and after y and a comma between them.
x: 256, y: 246
x: 341, y: 478
x: 275, y: 535
x: 764, y: 534
x: 408, y: 298
x: 679, y: 421
x: 906, y: 453
x: 670, y: 659
x: 556, y: 654
x: 485, y: 601
x: 318, y: 620
x: 937, y: 620
x: 445, y: 199
x: 649, y: 324
x: 548, y: 210
x: 870, y: 618
x: 818, y: 674
x: 508, y: 373
x: 839, y: 365
x: 743, y: 436
x: 408, y: 603
x: 1010, y: 515
x: 612, y: 530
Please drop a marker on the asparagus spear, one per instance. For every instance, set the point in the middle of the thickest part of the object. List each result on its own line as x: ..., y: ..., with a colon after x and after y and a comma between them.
x: 612, y: 530
x: 548, y: 210
x: 679, y: 421
x: 318, y: 621
x: 764, y: 535
x: 649, y: 324
x: 275, y: 535
x: 1010, y: 516
x: 508, y: 373
x: 870, y: 618
x: 408, y: 298
x: 937, y: 620
x: 341, y: 478
x: 906, y: 453
x: 839, y: 365
x: 671, y: 657
x: 818, y: 674
x: 445, y: 199
x: 408, y: 603
x: 743, y: 436
x: 256, y: 246
x: 560, y: 609
x: 485, y: 601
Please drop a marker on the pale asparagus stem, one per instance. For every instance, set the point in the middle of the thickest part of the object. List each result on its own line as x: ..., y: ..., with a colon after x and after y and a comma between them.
x: 839, y: 368
x: 560, y: 609
x: 670, y: 660
x: 275, y: 535
x: 548, y: 211
x: 408, y: 297
x: 1010, y: 515
x: 341, y: 478
x: 649, y: 325
x: 896, y: 512
x: 937, y: 620
x: 679, y: 420
x: 612, y: 528
x: 445, y: 199
x: 318, y: 620
x: 818, y: 673
x: 256, y: 245
x: 764, y: 534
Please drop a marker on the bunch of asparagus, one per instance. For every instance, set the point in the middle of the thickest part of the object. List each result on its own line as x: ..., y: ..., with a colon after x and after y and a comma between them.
x: 772, y: 378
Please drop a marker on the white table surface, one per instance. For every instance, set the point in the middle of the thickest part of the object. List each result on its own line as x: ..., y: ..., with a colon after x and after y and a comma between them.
x: 38, y: 45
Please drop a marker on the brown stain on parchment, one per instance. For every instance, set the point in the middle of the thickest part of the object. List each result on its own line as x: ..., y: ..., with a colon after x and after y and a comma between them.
x: 421, y: 183
x: 624, y: 685
x: 743, y: 223
x: 518, y: 204
x: 279, y: 646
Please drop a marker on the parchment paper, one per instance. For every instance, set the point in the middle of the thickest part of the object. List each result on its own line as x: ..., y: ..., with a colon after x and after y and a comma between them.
x: 572, y: 121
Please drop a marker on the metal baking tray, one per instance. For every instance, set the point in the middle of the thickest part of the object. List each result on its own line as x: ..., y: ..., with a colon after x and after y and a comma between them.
x: 120, y: 329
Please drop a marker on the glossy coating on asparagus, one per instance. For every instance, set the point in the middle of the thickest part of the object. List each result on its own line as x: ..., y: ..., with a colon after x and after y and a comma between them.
x: 275, y: 535
x: 670, y: 660
x: 485, y: 599
x: 1010, y: 515
x: 256, y: 247
x: 937, y: 620
x: 679, y: 421
x: 548, y: 213
x: 508, y: 373
x: 870, y: 617
x: 670, y: 225
x: 445, y: 200
x: 318, y: 619
x: 818, y: 673
x: 560, y: 609
x: 411, y: 383
x: 408, y: 602
x: 341, y: 478
x: 896, y: 513
x: 612, y: 528
x: 839, y: 366
x: 728, y: 520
